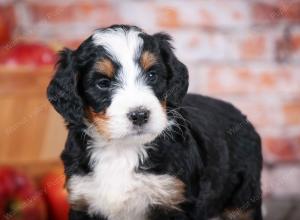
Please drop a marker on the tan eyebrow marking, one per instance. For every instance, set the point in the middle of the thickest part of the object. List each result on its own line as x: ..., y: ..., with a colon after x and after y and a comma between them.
x: 147, y: 60
x: 106, y: 67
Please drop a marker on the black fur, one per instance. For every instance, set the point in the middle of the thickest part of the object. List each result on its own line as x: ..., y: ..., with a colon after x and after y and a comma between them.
x: 216, y: 152
x: 178, y: 75
x: 62, y: 91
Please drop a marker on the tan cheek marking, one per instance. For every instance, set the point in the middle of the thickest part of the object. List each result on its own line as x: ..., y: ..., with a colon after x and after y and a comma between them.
x: 164, y: 105
x: 147, y: 60
x: 106, y: 67
x: 100, y: 121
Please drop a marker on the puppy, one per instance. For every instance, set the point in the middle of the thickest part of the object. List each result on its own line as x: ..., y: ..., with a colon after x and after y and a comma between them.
x: 138, y: 147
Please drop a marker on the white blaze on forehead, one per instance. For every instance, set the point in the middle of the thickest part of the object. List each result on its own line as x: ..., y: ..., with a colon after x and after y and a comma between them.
x: 124, y: 46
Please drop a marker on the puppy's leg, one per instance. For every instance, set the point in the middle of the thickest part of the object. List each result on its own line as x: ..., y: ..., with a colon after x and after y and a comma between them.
x: 245, y: 203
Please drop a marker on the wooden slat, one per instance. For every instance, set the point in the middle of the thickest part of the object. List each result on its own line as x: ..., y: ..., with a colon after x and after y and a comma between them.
x: 24, y: 83
x: 5, y: 119
x: 31, y: 131
x: 54, y: 138
x: 17, y: 130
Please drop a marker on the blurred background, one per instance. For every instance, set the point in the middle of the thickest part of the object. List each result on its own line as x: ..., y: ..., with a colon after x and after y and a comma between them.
x: 244, y: 52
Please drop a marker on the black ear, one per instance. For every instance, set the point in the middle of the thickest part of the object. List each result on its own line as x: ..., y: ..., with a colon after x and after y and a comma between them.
x: 62, y: 90
x: 177, y: 72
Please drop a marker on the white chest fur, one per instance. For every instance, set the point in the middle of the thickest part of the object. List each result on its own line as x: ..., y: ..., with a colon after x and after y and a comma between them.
x: 114, y: 188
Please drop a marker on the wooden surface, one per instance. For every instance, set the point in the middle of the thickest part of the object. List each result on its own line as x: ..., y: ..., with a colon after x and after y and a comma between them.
x: 30, y: 130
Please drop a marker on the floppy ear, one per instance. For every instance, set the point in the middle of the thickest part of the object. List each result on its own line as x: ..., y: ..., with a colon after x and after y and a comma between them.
x: 177, y: 71
x: 62, y: 90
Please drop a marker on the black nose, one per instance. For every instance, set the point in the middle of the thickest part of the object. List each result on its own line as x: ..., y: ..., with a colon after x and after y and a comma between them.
x: 139, y: 116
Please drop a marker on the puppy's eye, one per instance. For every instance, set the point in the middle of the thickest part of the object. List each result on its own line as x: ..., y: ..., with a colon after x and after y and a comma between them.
x: 152, y: 76
x: 103, y: 84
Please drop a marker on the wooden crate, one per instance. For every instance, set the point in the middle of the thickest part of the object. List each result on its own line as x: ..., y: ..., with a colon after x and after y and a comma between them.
x: 32, y: 133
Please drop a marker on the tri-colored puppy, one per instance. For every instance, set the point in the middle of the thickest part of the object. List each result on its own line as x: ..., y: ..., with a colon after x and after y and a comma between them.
x: 138, y: 147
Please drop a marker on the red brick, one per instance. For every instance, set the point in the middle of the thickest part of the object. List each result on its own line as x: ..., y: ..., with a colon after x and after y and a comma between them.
x: 264, y: 12
x: 276, y: 11
x: 256, y: 44
x: 290, y: 10
x: 207, y: 18
x: 267, y: 79
x: 279, y: 148
x: 253, y: 47
x: 295, y: 44
x: 291, y: 112
x: 168, y: 17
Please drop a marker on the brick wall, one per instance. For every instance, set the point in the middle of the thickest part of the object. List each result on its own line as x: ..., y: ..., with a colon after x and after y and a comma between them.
x: 245, y: 52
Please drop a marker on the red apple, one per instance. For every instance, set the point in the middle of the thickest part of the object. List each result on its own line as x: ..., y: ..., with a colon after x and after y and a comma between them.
x: 6, y: 24
x: 7, y: 186
x: 19, y: 198
x: 56, y: 194
x: 4, y: 32
x: 28, y: 54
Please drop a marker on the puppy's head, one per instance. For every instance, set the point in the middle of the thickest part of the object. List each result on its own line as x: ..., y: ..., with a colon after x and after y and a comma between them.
x: 120, y: 80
